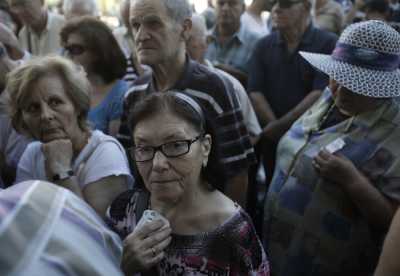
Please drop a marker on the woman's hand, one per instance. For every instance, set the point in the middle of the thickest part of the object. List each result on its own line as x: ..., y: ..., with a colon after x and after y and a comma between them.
x: 58, y: 156
x: 335, y: 168
x: 144, y: 247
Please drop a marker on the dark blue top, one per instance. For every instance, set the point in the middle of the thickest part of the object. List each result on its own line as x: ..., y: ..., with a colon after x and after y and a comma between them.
x: 286, y: 78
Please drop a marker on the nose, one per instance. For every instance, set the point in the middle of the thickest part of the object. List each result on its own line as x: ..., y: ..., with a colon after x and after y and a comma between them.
x: 160, y: 161
x: 47, y: 114
x: 140, y: 34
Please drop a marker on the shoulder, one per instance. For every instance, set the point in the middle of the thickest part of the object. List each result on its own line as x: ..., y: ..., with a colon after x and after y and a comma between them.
x: 207, y: 84
x: 56, y: 19
x: 33, y: 148
x: 100, y: 140
x: 324, y: 37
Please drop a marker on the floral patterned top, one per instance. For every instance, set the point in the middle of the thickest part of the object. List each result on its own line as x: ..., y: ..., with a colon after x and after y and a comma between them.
x: 233, y: 248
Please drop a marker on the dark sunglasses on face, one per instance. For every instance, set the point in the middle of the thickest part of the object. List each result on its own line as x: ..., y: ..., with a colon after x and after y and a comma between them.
x: 285, y: 4
x: 74, y: 49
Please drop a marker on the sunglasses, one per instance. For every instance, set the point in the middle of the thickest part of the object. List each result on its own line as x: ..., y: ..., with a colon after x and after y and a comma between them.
x: 285, y: 4
x: 75, y: 49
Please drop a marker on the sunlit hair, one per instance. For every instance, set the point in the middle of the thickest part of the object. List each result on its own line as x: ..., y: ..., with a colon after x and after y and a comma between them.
x: 110, y: 62
x: 22, y: 80
x: 178, y: 10
x: 89, y: 6
x: 167, y: 102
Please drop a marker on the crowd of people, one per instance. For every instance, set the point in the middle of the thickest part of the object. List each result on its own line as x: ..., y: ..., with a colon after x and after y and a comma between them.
x: 220, y: 143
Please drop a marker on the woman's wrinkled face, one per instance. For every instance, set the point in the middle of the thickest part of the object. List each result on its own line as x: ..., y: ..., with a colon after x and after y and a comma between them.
x: 350, y: 103
x: 48, y: 113
x: 169, y: 178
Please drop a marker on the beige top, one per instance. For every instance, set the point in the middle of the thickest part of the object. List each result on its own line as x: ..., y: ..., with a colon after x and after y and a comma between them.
x: 49, y: 40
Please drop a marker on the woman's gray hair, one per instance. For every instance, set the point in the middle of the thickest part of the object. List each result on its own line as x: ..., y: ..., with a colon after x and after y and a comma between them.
x: 22, y: 80
x: 178, y: 10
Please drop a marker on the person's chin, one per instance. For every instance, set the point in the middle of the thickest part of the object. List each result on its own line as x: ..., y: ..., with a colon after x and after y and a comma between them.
x: 48, y: 137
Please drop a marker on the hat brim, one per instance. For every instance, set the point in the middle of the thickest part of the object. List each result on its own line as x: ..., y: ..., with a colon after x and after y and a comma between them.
x: 367, y: 82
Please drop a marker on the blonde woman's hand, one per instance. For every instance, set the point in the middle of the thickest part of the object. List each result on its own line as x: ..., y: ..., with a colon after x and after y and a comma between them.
x: 58, y: 156
x: 144, y: 247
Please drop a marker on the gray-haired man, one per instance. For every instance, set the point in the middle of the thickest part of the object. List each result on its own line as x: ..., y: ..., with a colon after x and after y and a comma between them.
x: 160, y: 29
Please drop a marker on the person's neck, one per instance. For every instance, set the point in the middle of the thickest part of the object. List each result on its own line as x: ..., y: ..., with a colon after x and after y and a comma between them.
x: 225, y: 32
x: 319, y: 4
x: 255, y: 9
x: 100, y: 86
x: 39, y: 27
x: 188, y: 206
x: 294, y: 34
x: 80, y: 142
x: 167, y: 74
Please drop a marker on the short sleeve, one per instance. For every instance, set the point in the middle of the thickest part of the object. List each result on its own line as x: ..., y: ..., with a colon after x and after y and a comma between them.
x: 116, y: 105
x: 26, y: 169
x: 108, y: 159
x: 255, y: 80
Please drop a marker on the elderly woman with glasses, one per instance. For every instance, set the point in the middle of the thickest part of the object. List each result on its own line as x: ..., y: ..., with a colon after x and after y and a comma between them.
x: 49, y: 102
x: 336, y: 185
x: 90, y: 43
x: 199, y: 230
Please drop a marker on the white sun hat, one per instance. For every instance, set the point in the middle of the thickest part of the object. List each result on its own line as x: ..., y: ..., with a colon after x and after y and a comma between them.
x: 365, y: 60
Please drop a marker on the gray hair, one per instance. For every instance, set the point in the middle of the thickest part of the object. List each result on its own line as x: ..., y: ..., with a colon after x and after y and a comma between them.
x: 178, y: 10
x: 21, y: 80
x: 88, y: 5
x: 198, y: 24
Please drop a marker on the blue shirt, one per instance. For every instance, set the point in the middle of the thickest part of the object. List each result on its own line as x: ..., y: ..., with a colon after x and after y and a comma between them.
x: 109, y: 109
x: 235, y: 52
x: 285, y: 78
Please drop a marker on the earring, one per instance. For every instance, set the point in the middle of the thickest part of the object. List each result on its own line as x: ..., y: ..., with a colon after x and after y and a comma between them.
x: 204, y: 164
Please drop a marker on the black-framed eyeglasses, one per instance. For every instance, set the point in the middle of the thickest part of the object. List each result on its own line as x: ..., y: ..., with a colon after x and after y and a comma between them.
x: 171, y: 149
x: 75, y: 49
x: 285, y: 4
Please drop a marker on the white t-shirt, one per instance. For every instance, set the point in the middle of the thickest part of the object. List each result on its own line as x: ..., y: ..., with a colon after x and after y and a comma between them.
x: 252, y: 24
x: 103, y: 156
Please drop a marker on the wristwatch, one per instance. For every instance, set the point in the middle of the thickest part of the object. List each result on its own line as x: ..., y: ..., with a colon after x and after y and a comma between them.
x: 63, y: 175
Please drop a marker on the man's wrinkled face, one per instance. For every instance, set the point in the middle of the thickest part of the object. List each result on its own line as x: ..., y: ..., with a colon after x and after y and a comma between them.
x: 28, y: 11
x: 229, y: 12
x: 157, y: 36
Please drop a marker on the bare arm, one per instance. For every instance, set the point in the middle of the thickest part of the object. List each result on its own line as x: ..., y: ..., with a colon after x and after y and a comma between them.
x: 262, y: 108
x: 10, y: 40
x: 101, y: 193
x: 389, y: 264
x: 275, y: 130
x: 236, y: 188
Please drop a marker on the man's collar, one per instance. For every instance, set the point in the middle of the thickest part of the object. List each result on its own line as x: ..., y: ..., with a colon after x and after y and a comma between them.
x: 307, y: 37
x: 186, y: 76
x: 240, y: 35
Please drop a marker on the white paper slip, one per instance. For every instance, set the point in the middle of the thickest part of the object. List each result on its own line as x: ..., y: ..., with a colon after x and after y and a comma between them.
x: 336, y: 145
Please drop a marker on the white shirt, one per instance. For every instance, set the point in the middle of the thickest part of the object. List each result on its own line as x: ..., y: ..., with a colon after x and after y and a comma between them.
x: 48, y: 42
x: 103, y: 156
x: 252, y: 24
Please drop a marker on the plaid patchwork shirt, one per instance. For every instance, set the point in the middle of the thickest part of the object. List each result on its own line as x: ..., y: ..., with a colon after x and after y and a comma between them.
x: 311, y: 225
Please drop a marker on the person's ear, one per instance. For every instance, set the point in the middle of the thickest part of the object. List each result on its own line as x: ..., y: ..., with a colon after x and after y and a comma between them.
x: 206, y: 143
x: 186, y: 28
